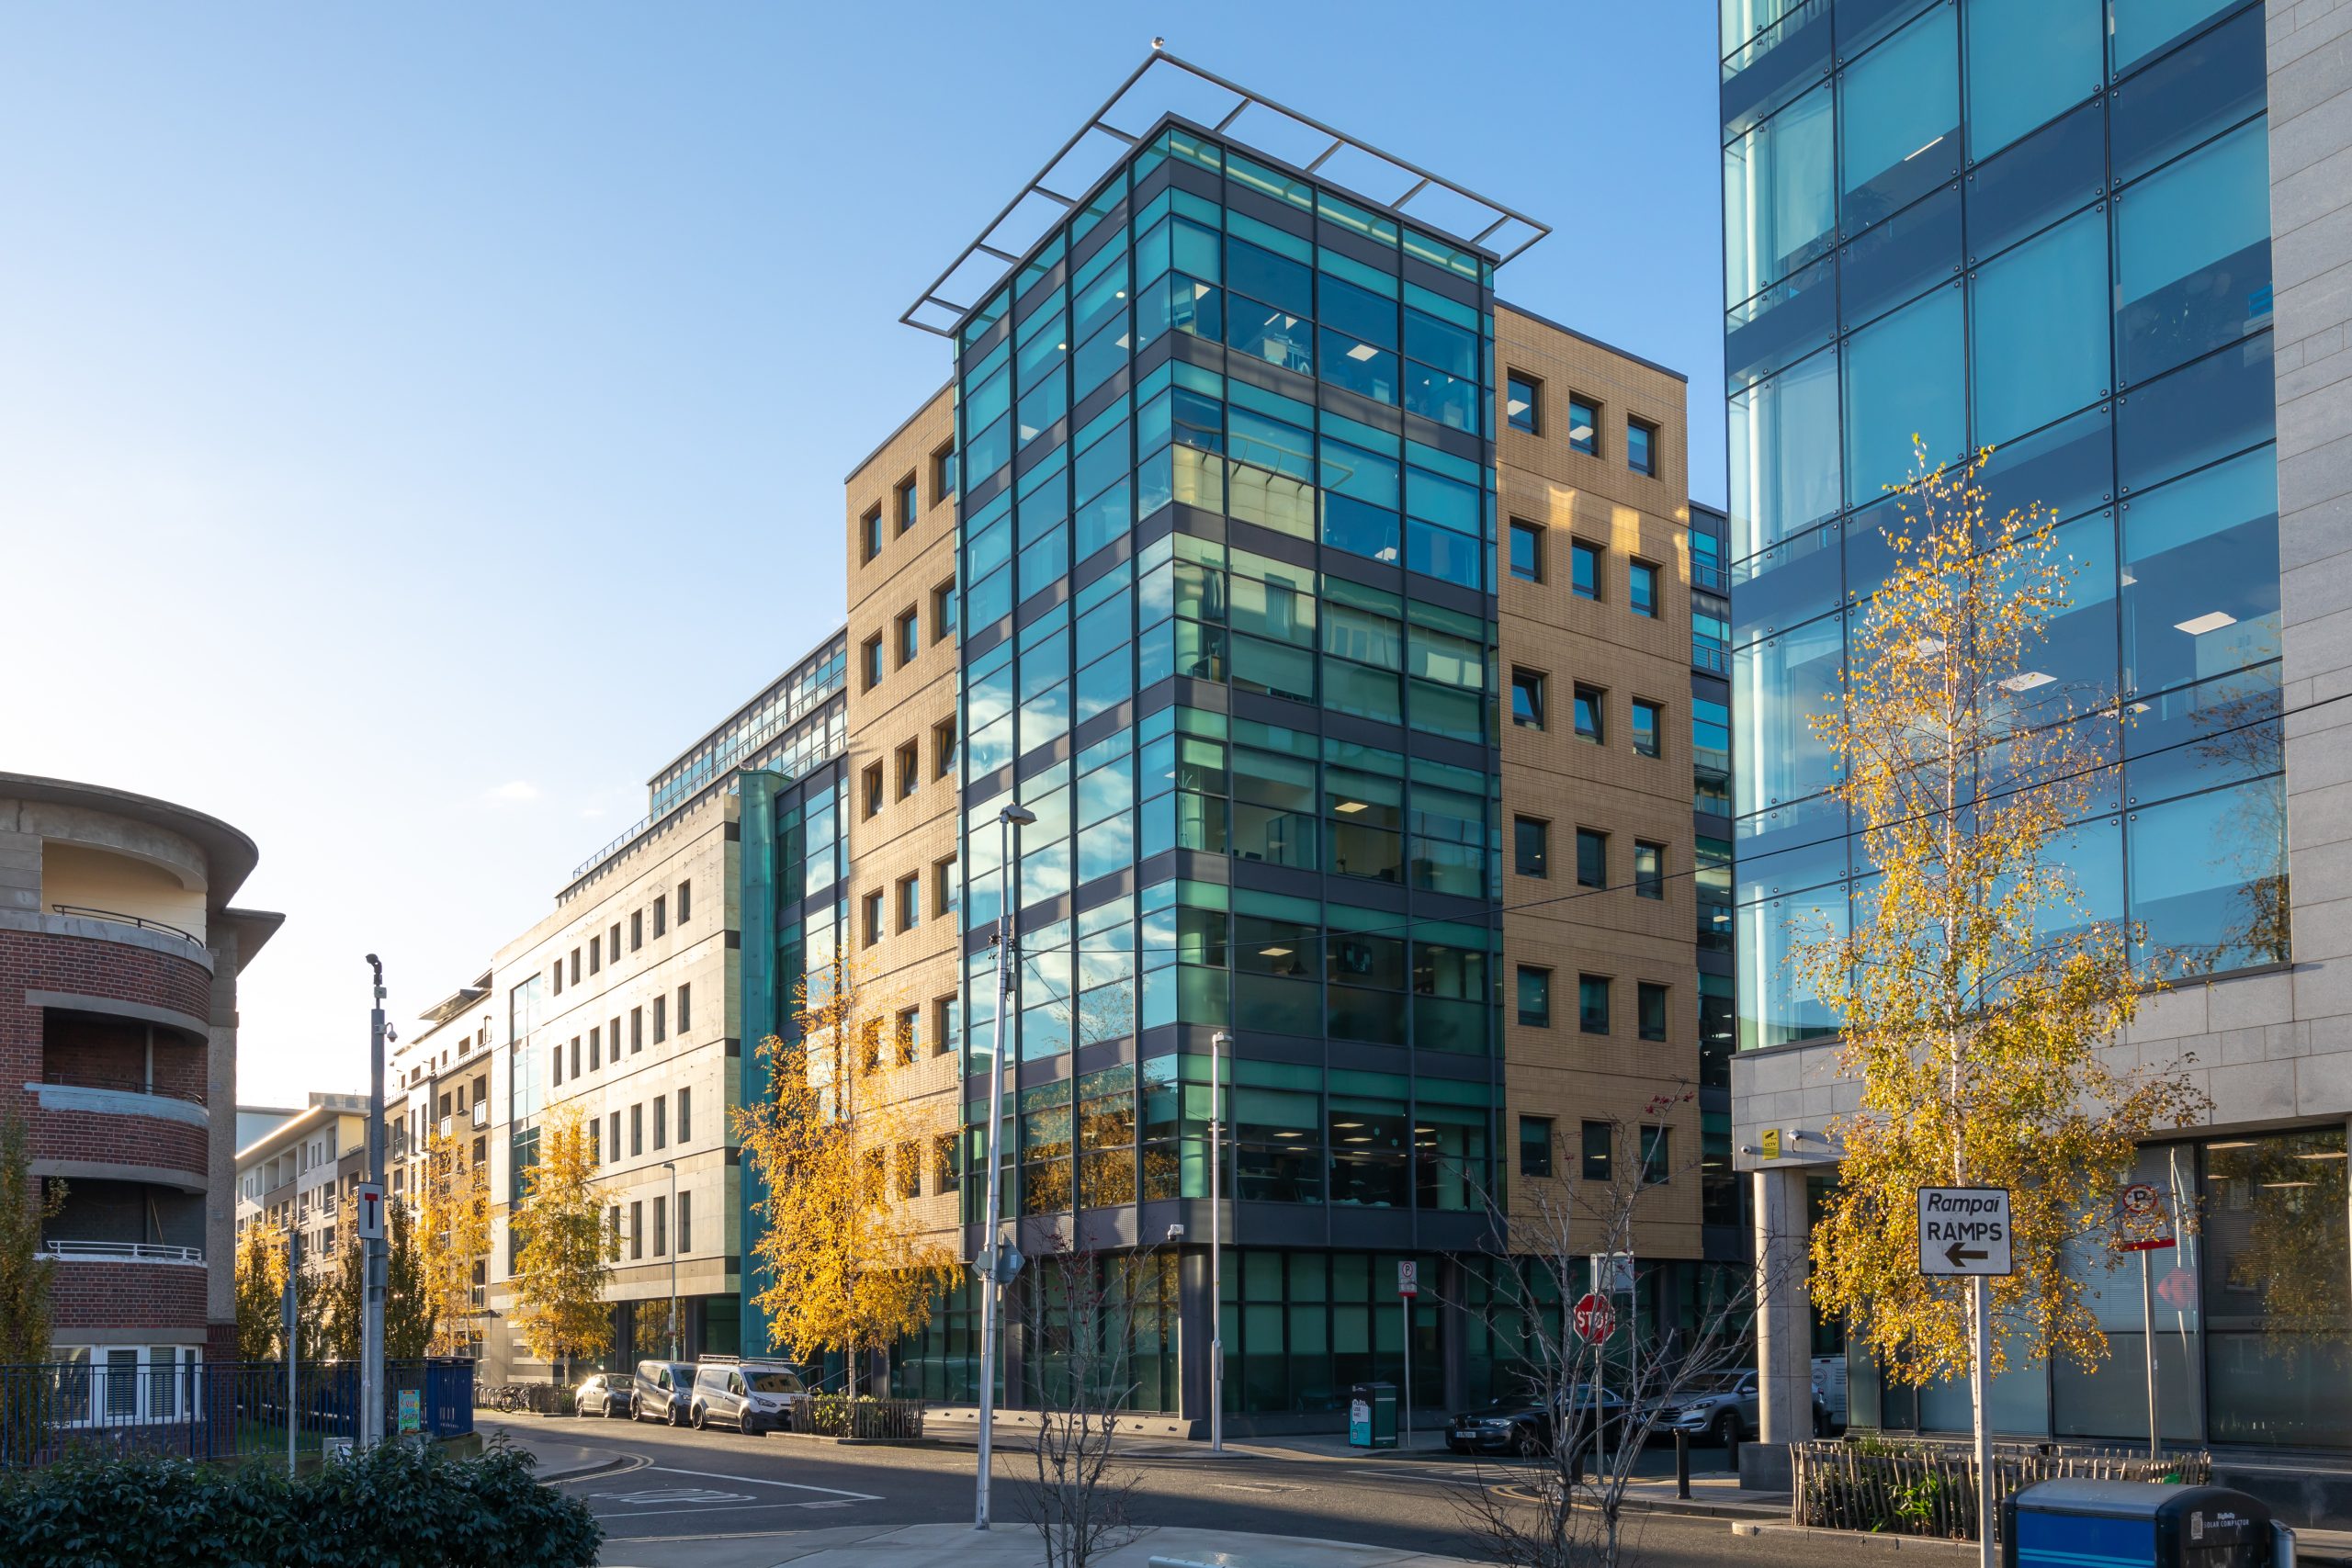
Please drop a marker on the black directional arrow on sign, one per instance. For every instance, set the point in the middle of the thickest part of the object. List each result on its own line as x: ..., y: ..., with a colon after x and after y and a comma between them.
x: 1956, y: 1255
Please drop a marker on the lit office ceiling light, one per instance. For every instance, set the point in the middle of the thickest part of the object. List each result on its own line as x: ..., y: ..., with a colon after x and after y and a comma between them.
x: 2203, y: 624
x: 2025, y: 681
x: 1364, y: 351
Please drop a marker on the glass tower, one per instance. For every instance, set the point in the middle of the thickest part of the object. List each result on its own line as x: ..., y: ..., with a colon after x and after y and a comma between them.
x: 2014, y: 224
x: 1227, y: 566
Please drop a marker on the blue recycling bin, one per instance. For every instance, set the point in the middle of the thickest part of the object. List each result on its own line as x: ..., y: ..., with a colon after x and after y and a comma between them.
x: 1372, y: 1415
x: 2138, y: 1524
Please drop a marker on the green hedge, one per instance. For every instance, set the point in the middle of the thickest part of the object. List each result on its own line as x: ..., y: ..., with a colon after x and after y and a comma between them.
x: 401, y: 1506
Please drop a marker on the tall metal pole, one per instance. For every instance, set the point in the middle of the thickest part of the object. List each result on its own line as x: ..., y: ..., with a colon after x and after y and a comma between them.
x: 2148, y: 1339
x: 1987, y: 1556
x: 371, y: 1342
x: 672, y: 1166
x: 991, y: 1249
x: 1217, y: 1042
x: 293, y: 1336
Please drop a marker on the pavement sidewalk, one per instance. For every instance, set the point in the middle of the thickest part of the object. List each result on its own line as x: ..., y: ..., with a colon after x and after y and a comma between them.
x: 1008, y: 1545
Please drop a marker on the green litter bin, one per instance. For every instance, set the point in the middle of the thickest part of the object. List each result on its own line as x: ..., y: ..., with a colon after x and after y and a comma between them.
x: 1372, y: 1415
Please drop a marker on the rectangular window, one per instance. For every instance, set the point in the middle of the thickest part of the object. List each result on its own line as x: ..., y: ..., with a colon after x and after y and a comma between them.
x: 942, y: 474
x: 612, y: 945
x: 1649, y: 870
x: 1641, y: 591
x: 686, y: 1008
x: 613, y: 1242
x: 909, y: 769
x: 636, y: 1130
x: 661, y: 1020
x: 635, y: 929
x: 869, y: 663
x: 1527, y: 698
x: 614, y: 1142
x: 661, y: 1123
x: 685, y: 901
x: 943, y: 611
x: 1640, y: 435
x: 1648, y: 718
x: 1531, y: 846
x: 1536, y: 1146
x: 908, y: 1044
x: 686, y: 1114
x: 575, y: 1056
x: 872, y: 791
x: 1596, y: 1140
x: 636, y: 1030
x: 943, y: 748
x: 908, y: 508
x: 1649, y: 999
x: 1534, y: 996
x: 596, y: 955
x: 1584, y: 426
x: 947, y: 1015
x: 660, y: 1217
x: 1584, y: 569
x: 1593, y: 1003
x: 637, y: 1230
x: 870, y: 526
x: 1655, y: 1145
x: 685, y: 1218
x: 558, y: 976
x: 559, y: 1071
x: 943, y: 886
x: 596, y: 1143
x: 942, y: 1162
x: 1592, y: 858
x: 575, y: 966
x: 661, y: 916
x: 1524, y: 402
x: 1589, y: 714
x: 873, y: 920
x: 1526, y: 551
x: 909, y: 902
x: 910, y: 638
x: 596, y: 1051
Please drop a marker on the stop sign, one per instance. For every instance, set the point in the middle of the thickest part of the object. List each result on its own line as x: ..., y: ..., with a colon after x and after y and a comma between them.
x: 1594, y: 1320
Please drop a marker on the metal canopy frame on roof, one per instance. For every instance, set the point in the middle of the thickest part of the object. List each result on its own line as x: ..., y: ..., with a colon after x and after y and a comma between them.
x: 1009, y: 250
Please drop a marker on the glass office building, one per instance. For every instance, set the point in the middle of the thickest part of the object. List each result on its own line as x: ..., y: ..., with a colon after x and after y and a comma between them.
x: 2044, y: 227
x: 1228, y: 531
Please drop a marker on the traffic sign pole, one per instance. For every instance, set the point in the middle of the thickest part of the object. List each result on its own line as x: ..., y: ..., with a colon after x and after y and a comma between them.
x: 1408, y: 1284
x: 2148, y: 1340
x: 1987, y: 1556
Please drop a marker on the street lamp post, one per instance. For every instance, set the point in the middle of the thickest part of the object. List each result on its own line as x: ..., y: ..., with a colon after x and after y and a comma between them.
x: 371, y: 1312
x: 991, y: 1259
x: 672, y: 1166
x: 1217, y: 1042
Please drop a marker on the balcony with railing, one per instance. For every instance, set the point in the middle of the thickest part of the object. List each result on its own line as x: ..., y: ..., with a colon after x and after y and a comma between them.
x: 64, y: 1251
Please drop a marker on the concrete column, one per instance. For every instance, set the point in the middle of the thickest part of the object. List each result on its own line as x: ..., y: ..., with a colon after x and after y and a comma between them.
x: 1783, y: 1325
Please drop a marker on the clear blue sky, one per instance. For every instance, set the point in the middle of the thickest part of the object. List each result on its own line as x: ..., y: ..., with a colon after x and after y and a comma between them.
x: 418, y: 424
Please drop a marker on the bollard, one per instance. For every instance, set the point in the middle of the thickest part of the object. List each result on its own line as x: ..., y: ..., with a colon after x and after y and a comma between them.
x: 1731, y: 1450
x: 1681, y: 1463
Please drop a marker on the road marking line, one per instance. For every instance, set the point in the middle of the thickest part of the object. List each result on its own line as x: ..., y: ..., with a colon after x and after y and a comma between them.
x: 758, y: 1480
x: 722, y: 1508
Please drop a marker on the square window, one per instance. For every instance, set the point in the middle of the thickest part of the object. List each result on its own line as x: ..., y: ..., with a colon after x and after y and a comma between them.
x: 1640, y: 437
x: 1584, y: 426
x: 1593, y: 1003
x: 1597, y: 1138
x: 1589, y: 714
x: 1592, y: 858
x: 1584, y: 569
x: 1648, y: 724
x: 1534, y: 996
x: 1641, y: 591
x: 1524, y: 402
x: 1527, y: 698
x: 1649, y: 870
x: 870, y: 528
x: 1536, y: 1146
x: 1526, y: 551
x: 910, y: 627
x: 1531, y: 846
x: 870, y: 663
x: 1650, y: 1009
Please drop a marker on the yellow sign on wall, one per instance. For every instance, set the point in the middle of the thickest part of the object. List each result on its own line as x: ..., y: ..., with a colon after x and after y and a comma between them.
x: 1772, y: 1143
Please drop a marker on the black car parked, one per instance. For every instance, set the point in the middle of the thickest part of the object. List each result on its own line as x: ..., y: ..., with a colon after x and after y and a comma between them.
x: 1525, y: 1427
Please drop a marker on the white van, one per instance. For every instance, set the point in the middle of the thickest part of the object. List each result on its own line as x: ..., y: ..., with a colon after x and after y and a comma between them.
x: 750, y: 1396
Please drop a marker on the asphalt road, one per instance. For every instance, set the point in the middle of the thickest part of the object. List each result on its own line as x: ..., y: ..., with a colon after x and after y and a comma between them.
x: 671, y: 1482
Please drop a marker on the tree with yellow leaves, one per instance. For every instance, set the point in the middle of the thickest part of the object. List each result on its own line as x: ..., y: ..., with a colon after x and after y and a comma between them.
x: 261, y: 1292
x: 566, y: 1260
x: 846, y: 1264
x: 454, y: 1222
x: 1976, y: 986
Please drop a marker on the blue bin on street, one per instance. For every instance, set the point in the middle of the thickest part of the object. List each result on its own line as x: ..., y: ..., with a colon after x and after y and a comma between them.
x: 2138, y: 1524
